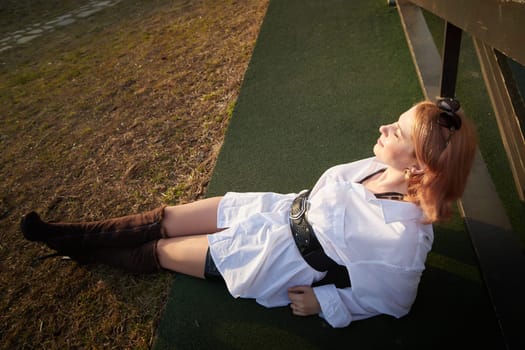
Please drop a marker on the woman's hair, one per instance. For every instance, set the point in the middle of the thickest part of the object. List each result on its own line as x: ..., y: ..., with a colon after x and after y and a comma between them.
x: 446, y: 157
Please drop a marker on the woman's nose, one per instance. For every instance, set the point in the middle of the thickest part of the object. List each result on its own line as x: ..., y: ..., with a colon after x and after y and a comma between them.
x: 383, y: 129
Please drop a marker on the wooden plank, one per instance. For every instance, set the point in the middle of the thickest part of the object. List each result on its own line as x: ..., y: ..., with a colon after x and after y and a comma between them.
x: 451, y: 48
x: 499, y: 251
x: 508, y: 122
x: 498, y: 23
x: 422, y: 48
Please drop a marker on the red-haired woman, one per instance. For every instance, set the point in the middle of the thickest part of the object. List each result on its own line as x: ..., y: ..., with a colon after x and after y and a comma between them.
x: 351, y: 248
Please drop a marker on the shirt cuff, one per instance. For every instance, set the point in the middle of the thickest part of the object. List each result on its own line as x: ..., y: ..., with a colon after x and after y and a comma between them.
x: 333, y: 310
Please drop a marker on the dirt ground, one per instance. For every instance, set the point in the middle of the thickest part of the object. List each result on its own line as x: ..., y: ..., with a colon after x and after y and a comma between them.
x: 114, y: 114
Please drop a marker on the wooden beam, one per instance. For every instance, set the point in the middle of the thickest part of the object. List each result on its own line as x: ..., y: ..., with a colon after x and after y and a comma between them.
x: 451, y: 48
x: 508, y: 122
x: 499, y: 251
x: 422, y: 48
x: 498, y: 23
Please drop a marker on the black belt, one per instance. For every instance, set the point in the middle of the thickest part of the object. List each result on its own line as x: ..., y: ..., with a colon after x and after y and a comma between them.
x: 310, y: 248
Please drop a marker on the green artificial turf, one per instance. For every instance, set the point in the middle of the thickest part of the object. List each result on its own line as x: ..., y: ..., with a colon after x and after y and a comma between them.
x: 324, y: 75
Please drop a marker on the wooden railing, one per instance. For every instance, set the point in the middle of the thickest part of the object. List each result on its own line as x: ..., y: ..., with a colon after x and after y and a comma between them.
x: 497, y: 28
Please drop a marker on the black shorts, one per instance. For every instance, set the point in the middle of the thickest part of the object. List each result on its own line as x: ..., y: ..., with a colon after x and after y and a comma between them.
x: 210, y: 270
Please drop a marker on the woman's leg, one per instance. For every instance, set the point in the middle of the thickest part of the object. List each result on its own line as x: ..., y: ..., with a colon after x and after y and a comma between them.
x: 185, y: 254
x: 65, y: 238
x: 130, y: 237
x: 186, y: 244
x: 195, y: 218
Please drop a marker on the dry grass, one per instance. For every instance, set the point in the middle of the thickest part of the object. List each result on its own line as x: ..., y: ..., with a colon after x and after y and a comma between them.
x: 114, y: 114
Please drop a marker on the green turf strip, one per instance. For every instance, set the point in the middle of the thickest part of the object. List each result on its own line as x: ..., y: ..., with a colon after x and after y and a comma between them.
x: 324, y: 75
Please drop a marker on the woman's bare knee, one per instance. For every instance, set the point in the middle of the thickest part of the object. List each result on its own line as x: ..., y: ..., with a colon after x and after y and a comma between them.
x: 199, y: 217
x: 186, y: 255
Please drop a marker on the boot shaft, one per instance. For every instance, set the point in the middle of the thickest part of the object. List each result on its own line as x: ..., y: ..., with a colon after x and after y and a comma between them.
x: 141, y: 259
x: 127, y: 231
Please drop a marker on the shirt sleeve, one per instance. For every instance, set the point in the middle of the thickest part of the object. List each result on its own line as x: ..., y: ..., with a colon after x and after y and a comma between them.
x: 378, y: 289
x: 336, y: 305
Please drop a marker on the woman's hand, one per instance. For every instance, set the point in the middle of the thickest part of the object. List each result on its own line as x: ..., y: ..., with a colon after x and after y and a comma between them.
x: 304, y: 301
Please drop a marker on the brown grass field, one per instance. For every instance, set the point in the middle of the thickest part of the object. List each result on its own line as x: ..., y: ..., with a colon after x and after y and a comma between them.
x: 114, y: 114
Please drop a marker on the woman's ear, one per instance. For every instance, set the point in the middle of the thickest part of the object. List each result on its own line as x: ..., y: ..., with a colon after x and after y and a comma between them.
x: 417, y: 169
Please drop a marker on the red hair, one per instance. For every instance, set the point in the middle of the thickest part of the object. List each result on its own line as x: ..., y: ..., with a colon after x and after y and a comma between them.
x: 446, y: 159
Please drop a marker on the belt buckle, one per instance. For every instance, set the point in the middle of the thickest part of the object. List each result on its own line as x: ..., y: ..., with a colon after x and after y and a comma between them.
x: 303, y: 205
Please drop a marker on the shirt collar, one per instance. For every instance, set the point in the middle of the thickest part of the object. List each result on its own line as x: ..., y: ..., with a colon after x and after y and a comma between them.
x: 392, y: 210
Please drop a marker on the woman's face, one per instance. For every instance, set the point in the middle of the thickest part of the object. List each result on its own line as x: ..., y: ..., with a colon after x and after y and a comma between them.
x: 394, y: 146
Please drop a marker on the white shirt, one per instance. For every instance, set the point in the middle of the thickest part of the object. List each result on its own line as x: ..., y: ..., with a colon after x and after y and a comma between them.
x: 382, y: 243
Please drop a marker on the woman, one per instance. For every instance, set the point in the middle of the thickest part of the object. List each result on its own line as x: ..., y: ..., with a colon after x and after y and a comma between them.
x: 351, y: 248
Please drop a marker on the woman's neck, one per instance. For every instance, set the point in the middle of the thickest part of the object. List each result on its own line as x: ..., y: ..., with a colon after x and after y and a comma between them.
x: 390, y: 180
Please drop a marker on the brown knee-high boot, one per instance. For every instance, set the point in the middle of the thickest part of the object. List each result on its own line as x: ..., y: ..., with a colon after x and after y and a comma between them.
x: 128, y: 242
x: 140, y: 259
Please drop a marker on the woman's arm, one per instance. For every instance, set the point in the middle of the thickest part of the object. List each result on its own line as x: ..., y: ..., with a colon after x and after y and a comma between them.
x: 304, y: 301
